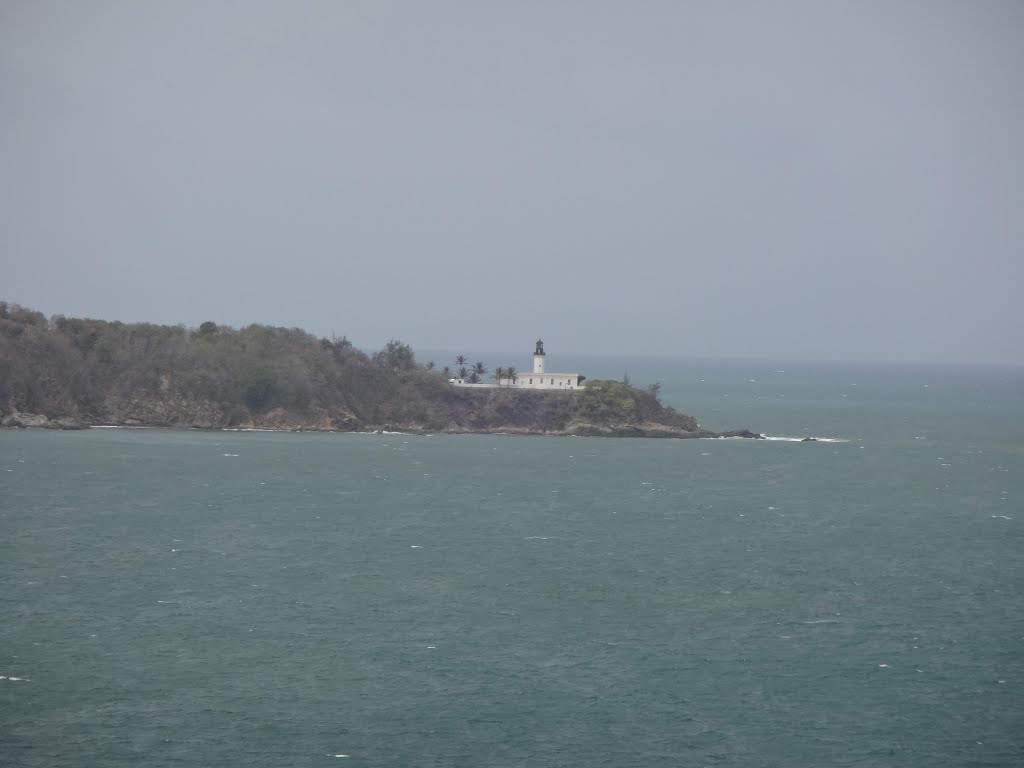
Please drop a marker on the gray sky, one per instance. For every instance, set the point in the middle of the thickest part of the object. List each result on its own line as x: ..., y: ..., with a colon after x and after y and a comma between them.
x: 840, y: 180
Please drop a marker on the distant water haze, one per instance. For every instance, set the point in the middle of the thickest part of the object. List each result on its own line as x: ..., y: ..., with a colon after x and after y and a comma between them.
x: 778, y: 180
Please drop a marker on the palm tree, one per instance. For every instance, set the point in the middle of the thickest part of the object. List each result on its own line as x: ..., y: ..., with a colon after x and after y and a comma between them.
x: 463, y: 372
x: 446, y: 372
x: 461, y: 360
x: 512, y: 375
x: 474, y: 377
x: 498, y: 375
x: 430, y: 365
x: 479, y: 369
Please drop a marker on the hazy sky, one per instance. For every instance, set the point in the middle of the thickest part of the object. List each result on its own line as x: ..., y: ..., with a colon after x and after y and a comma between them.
x: 789, y: 179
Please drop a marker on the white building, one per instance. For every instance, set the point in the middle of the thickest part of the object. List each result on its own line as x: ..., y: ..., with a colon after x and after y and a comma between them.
x: 537, y: 379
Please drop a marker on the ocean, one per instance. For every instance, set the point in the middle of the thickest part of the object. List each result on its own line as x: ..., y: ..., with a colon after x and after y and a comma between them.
x: 186, y: 598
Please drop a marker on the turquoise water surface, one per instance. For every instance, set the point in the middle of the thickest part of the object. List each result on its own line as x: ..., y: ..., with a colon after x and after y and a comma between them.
x: 183, y: 598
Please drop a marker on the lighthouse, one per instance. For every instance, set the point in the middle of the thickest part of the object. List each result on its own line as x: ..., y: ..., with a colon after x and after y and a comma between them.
x: 537, y: 379
x: 538, y: 357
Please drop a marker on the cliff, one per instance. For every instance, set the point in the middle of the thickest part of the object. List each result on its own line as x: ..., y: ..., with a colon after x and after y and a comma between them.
x: 71, y: 373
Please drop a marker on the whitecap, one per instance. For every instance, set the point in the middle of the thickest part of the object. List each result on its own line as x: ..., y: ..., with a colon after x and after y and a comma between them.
x: 543, y: 538
x: 789, y: 439
x: 231, y: 454
x: 415, y: 546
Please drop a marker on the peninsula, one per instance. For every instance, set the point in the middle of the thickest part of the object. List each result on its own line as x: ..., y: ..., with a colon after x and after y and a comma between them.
x: 70, y: 373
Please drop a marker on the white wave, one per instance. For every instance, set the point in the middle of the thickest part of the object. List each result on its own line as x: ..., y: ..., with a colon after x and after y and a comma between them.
x: 231, y: 454
x: 542, y: 538
x: 14, y: 679
x: 788, y: 439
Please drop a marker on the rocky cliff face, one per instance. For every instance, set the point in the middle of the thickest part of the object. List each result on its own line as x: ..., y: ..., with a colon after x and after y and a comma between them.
x: 184, y: 414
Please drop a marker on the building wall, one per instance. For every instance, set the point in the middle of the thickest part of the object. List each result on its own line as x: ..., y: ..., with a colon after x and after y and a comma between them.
x: 563, y: 381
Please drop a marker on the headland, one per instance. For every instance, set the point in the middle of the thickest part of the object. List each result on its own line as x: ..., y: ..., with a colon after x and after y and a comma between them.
x: 73, y: 373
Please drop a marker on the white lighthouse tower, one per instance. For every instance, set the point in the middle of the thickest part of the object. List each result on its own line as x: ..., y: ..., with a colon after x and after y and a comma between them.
x: 538, y: 357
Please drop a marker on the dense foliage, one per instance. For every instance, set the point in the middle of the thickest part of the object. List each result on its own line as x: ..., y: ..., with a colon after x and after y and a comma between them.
x: 216, y: 376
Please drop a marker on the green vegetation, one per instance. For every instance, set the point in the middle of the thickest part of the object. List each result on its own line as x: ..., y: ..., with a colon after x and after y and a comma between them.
x: 99, y: 372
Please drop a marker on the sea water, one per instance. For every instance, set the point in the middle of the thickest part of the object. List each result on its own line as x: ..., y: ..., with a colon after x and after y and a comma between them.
x: 183, y: 598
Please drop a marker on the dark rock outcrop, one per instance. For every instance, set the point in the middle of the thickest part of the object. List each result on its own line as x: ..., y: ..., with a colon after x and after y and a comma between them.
x: 740, y: 433
x: 39, y: 421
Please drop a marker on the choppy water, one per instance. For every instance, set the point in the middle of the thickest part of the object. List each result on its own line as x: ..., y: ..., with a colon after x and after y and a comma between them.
x: 252, y: 599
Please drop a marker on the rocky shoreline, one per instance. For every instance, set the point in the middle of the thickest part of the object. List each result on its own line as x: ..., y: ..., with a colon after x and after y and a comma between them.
x: 282, y: 422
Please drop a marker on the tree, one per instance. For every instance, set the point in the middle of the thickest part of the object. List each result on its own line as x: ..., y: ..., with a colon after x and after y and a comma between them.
x: 430, y: 365
x: 446, y: 372
x: 512, y: 375
x: 461, y: 360
x: 257, y: 385
x: 498, y: 375
x: 479, y: 369
x: 208, y: 328
x: 395, y: 355
x: 654, y: 390
x: 473, y: 378
x: 462, y: 373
